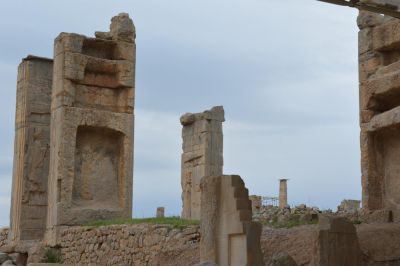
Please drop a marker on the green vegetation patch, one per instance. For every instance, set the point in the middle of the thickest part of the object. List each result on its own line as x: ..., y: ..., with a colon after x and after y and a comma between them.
x: 175, y: 221
x: 52, y: 256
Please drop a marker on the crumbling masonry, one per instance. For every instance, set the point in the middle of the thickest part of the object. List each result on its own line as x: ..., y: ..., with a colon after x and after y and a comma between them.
x: 73, y: 160
x: 202, y: 155
x: 32, y: 149
x: 379, y: 67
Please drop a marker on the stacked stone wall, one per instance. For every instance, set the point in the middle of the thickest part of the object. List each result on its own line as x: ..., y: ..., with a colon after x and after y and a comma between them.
x: 141, y: 244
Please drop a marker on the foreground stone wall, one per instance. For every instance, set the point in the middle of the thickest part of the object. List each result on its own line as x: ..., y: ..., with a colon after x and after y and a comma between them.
x: 146, y: 244
x: 141, y: 244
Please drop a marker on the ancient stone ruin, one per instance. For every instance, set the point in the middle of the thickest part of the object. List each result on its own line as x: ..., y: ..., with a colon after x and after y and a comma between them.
x: 91, y: 161
x: 229, y: 237
x: 379, y: 65
x: 32, y: 149
x: 283, y: 201
x: 73, y: 164
x: 73, y: 158
x: 202, y: 155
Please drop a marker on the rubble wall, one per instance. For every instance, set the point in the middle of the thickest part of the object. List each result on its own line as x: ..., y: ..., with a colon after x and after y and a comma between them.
x: 141, y: 244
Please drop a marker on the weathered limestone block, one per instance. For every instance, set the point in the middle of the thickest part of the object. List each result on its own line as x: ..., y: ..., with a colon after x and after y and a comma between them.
x: 229, y: 237
x: 379, y: 66
x: 337, y: 243
x: 202, y: 155
x: 31, y: 150
x: 91, y: 160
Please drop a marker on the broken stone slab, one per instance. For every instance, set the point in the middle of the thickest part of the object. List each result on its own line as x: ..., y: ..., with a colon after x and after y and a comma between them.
x: 337, y: 242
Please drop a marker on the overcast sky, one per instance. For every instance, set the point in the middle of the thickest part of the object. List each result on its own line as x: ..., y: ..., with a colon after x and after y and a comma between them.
x: 284, y: 70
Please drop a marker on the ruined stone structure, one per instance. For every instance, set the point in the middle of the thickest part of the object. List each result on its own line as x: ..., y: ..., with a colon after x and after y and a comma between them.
x: 32, y: 149
x: 229, y: 237
x: 349, y: 206
x: 379, y: 66
x: 202, y: 155
x: 256, y: 203
x: 160, y: 212
x: 283, y: 202
x: 91, y: 159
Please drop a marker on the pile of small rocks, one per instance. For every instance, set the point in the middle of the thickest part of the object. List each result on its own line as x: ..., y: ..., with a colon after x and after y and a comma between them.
x: 12, y: 259
x: 272, y: 214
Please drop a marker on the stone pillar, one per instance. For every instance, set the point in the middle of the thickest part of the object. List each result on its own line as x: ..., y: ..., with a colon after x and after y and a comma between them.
x: 283, y: 202
x: 229, y: 237
x: 91, y: 160
x: 379, y: 74
x: 160, y: 212
x: 31, y: 151
x: 202, y: 155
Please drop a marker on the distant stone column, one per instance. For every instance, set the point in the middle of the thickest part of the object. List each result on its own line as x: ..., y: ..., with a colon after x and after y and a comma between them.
x: 160, y: 212
x: 202, y: 155
x: 283, y: 202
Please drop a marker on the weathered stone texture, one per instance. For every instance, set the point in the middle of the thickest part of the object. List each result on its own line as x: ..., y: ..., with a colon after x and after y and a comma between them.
x: 31, y: 149
x: 160, y: 212
x: 333, y: 242
x: 349, y: 206
x: 202, y: 155
x: 91, y: 165
x: 4, y: 236
x: 256, y: 203
x: 379, y: 68
x: 283, y: 201
x: 139, y: 245
x: 229, y: 237
x: 337, y: 243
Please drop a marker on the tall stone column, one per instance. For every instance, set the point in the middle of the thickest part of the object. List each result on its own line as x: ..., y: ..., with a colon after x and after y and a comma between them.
x: 283, y: 202
x: 202, y: 155
x: 91, y: 160
x: 32, y: 150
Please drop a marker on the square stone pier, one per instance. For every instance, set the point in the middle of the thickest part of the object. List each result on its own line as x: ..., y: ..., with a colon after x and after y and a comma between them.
x: 91, y: 160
